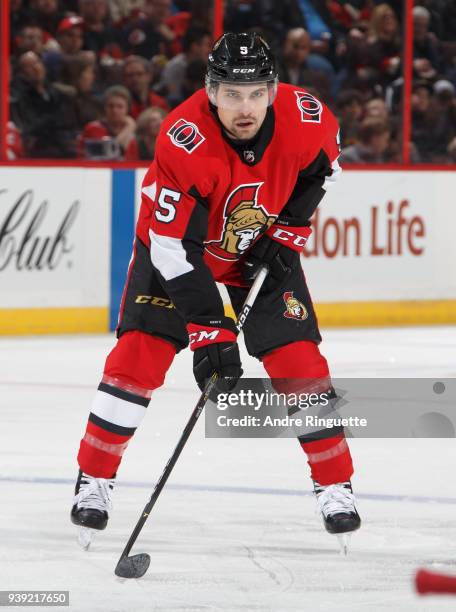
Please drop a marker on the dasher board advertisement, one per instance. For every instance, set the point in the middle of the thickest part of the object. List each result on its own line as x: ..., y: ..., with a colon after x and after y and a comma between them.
x: 54, y: 249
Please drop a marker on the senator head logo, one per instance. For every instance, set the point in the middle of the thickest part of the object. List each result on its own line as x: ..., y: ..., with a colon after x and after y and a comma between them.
x: 244, y: 221
x: 295, y: 308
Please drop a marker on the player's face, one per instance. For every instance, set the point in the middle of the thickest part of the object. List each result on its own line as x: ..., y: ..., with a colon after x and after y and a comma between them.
x: 242, y: 108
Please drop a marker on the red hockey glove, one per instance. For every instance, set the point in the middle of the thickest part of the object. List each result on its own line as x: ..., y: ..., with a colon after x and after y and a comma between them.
x: 215, y: 349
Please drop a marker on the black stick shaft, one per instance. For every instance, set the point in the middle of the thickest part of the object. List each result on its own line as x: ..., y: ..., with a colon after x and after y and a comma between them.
x: 259, y: 280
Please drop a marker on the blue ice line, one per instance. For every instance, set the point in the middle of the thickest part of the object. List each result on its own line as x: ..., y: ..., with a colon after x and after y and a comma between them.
x: 420, y: 499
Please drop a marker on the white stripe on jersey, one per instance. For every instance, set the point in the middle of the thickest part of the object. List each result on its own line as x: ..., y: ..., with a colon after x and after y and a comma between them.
x: 168, y: 256
x: 336, y: 172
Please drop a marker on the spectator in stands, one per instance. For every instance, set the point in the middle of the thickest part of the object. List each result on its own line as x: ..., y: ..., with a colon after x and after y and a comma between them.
x: 349, y: 114
x: 142, y: 146
x: 242, y: 15
x: 376, y: 108
x: 14, y: 148
x: 43, y: 114
x: 448, y: 13
x: 137, y: 79
x: 77, y: 80
x: 351, y: 56
x: 200, y: 14
x: 70, y: 35
x: 122, y: 11
x: 99, y: 34
x: 46, y: 14
x: 19, y: 17
x: 320, y: 25
x: 374, y: 138
x: 30, y: 38
x: 196, y: 45
x: 277, y: 18
x: 194, y: 76
x: 423, y: 120
x: 70, y: 38
x: 426, y: 57
x: 384, y: 45
x: 444, y: 110
x: 149, y: 35
x: 299, y: 66
x: 109, y: 138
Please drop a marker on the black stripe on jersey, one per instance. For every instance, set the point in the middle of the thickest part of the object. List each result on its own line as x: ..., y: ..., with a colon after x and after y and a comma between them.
x: 124, y: 395
x: 111, y: 427
x: 308, y: 191
x: 321, y: 435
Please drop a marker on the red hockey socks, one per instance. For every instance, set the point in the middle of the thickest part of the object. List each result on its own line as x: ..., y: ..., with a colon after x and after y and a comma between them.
x: 135, y: 367
x: 327, y: 452
x: 329, y: 459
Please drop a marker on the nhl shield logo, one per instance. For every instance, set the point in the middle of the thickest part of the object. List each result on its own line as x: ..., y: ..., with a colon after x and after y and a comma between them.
x: 295, y: 308
x: 249, y: 157
x: 311, y: 108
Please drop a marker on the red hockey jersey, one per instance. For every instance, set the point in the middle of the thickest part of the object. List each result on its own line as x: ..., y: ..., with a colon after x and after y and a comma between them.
x: 206, y: 198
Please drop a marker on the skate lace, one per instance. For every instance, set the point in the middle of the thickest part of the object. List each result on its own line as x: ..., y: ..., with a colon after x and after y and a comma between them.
x: 94, y: 493
x: 335, y: 499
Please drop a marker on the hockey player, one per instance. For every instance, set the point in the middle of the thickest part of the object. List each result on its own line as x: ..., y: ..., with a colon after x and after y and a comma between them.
x: 239, y: 169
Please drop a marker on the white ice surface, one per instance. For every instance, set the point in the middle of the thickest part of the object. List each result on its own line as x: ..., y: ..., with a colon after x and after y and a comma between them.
x: 236, y: 528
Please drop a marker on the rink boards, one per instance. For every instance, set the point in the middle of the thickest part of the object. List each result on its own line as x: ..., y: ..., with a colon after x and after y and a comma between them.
x: 382, y: 250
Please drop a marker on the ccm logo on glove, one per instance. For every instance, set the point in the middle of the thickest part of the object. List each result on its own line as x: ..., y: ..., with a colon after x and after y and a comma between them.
x: 202, y: 336
x: 295, y: 240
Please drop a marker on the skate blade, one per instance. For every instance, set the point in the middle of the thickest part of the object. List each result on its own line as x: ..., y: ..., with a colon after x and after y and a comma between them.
x: 85, y: 537
x: 344, y: 542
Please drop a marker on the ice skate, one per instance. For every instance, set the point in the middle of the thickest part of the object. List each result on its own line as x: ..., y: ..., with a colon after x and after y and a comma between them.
x: 91, y: 506
x: 336, y: 504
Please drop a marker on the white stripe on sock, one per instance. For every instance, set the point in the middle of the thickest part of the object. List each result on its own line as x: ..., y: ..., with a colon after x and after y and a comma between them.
x: 116, y: 410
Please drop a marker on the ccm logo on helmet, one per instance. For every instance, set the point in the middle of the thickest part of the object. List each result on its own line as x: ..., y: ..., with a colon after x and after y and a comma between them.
x: 244, y: 70
x: 185, y: 135
x: 311, y: 108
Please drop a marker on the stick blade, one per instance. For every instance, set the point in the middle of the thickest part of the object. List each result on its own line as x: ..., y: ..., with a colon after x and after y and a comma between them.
x: 133, y: 567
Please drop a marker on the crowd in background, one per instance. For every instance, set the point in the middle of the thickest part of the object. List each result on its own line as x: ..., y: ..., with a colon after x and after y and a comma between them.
x: 94, y: 78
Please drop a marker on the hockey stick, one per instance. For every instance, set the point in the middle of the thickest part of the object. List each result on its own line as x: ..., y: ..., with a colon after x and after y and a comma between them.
x: 427, y: 582
x: 137, y: 565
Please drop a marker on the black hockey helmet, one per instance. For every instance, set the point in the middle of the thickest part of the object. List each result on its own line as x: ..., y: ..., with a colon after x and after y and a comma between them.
x: 244, y: 58
x: 241, y: 58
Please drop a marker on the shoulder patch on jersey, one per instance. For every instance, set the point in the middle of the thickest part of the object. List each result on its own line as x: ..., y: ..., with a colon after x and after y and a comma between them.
x: 311, y: 109
x: 186, y: 135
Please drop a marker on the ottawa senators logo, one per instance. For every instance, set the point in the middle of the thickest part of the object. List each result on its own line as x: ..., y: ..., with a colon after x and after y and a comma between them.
x: 295, y: 308
x: 244, y: 220
x: 185, y: 135
x: 310, y: 107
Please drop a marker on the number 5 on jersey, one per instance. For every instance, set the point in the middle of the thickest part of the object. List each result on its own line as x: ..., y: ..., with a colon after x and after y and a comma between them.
x: 166, y: 209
